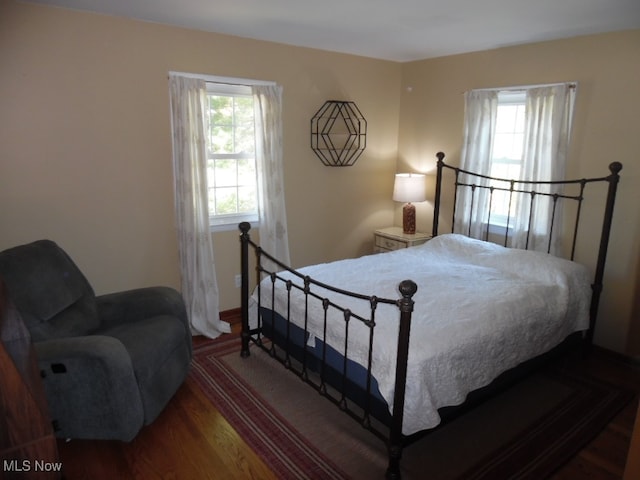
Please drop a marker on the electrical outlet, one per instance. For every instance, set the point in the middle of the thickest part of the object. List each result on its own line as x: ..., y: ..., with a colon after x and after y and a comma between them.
x: 238, y: 280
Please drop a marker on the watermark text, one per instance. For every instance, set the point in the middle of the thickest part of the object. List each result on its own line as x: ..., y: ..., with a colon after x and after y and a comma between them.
x: 17, y: 466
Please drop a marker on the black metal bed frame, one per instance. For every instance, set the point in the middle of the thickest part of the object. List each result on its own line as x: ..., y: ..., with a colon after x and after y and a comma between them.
x: 319, y: 377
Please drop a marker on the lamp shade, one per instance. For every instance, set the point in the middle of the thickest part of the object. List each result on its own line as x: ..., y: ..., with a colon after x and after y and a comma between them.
x: 409, y: 187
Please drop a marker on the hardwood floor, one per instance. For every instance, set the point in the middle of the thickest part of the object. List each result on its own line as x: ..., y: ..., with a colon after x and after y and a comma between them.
x: 191, y: 440
x: 605, y: 457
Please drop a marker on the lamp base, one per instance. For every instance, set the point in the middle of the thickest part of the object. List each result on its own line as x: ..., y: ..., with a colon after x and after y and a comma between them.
x: 409, y: 219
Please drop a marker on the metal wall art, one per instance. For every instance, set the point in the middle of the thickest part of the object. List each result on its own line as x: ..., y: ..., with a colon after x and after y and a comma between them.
x: 338, y: 133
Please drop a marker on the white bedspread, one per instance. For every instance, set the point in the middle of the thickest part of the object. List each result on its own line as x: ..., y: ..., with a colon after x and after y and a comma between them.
x: 480, y: 309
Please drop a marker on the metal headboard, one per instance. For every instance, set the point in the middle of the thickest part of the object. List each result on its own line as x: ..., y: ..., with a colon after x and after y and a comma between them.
x: 535, y: 189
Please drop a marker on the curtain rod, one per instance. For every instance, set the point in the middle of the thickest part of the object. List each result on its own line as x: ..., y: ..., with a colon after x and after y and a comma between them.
x: 522, y: 87
x: 224, y: 80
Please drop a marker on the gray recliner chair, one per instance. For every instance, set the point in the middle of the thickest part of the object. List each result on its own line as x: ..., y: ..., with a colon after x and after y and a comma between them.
x: 110, y: 363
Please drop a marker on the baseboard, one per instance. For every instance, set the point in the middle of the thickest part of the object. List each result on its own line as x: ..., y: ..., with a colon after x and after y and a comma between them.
x: 232, y: 316
x: 620, y: 357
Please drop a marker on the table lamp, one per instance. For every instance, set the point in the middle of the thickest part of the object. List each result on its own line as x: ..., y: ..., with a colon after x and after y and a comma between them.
x: 409, y: 187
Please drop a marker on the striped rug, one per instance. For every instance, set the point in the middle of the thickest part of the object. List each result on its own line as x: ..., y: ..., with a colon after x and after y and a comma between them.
x: 289, y: 454
x: 524, y: 433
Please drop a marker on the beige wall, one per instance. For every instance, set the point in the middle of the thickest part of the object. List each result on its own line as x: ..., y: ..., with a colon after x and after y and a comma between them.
x: 85, y: 142
x: 607, y: 69
x: 85, y: 148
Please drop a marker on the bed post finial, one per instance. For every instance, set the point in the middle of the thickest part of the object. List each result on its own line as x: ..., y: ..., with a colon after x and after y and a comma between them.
x: 615, y: 167
x: 244, y: 227
x: 407, y: 289
x: 244, y: 286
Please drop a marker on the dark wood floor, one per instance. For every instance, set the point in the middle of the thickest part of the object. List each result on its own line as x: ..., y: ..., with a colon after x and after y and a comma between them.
x: 191, y: 440
x: 605, y: 457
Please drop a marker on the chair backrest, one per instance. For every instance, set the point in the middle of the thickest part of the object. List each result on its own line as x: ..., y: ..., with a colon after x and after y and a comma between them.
x: 50, y: 292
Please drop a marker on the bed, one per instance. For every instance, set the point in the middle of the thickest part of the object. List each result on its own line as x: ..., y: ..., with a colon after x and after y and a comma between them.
x: 404, y: 341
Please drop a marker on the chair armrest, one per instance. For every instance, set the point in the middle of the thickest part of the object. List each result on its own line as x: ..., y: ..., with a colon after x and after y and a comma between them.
x: 131, y: 305
x: 80, y: 376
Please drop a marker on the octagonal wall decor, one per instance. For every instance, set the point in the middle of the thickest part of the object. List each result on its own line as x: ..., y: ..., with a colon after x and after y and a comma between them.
x: 338, y: 133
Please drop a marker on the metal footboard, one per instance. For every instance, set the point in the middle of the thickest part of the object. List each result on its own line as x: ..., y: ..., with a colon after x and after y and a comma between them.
x: 331, y: 381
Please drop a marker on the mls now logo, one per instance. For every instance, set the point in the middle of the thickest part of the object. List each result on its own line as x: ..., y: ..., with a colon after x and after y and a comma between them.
x: 29, y: 466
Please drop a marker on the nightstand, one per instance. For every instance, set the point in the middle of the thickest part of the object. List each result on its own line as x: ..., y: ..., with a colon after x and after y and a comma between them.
x: 392, y: 238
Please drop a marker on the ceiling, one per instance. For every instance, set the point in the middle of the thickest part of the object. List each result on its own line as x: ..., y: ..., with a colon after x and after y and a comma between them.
x: 398, y: 30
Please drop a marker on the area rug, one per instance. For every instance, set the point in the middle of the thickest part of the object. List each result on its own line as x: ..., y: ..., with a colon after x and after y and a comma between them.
x: 526, y: 432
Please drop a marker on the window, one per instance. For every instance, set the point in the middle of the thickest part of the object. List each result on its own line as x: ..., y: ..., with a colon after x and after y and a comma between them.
x: 231, y: 155
x: 519, y: 133
x: 506, y: 156
x: 215, y: 145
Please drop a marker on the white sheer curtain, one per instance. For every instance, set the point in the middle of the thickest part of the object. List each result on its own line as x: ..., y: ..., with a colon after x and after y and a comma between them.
x: 547, y: 131
x: 481, y: 111
x: 267, y: 101
x: 197, y: 267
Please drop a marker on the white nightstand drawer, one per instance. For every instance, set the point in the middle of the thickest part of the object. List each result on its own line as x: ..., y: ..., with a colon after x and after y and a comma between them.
x: 389, y: 243
x: 393, y: 238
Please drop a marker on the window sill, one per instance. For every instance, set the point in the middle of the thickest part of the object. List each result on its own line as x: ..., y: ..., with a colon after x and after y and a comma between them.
x: 500, y: 229
x: 228, y: 227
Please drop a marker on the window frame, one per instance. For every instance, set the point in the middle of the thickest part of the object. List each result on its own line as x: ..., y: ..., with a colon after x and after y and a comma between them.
x: 227, y: 222
x: 498, y: 221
